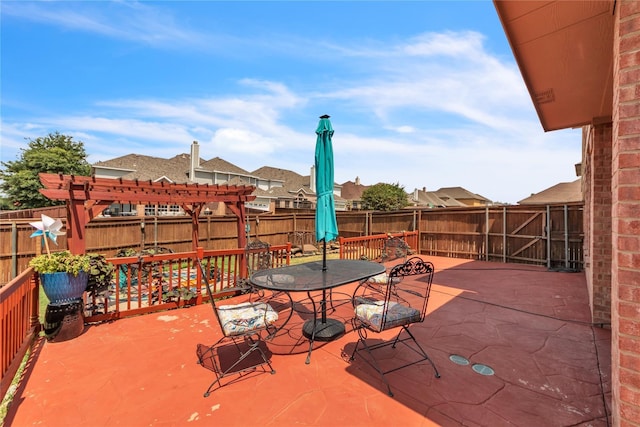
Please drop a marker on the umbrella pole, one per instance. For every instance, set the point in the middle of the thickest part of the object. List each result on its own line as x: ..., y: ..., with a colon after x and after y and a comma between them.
x: 324, y: 268
x: 324, y: 255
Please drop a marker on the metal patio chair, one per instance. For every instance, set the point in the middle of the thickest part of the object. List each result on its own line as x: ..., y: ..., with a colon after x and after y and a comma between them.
x: 246, y: 326
x: 394, y: 248
x: 259, y: 256
x: 401, y: 302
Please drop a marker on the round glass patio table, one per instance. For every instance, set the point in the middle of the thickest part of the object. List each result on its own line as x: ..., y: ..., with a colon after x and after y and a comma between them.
x: 317, y: 276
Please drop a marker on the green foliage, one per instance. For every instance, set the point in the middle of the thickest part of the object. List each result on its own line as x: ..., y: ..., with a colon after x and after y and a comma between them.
x: 5, y: 205
x: 54, y: 153
x: 100, y: 273
x: 182, y: 293
x: 385, y: 197
x: 60, y: 262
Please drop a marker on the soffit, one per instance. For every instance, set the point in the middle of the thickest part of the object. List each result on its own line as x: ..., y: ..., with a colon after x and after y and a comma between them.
x: 564, y: 50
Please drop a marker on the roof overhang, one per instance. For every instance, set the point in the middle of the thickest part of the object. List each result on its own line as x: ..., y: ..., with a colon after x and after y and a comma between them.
x: 564, y: 50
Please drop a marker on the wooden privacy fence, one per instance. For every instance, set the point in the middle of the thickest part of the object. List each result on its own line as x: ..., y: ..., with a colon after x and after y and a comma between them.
x: 549, y: 235
x: 544, y: 235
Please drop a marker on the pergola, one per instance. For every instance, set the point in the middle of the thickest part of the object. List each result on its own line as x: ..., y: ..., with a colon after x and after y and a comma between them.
x: 87, y: 197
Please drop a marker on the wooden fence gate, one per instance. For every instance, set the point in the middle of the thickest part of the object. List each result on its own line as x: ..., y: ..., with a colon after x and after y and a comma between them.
x: 543, y: 235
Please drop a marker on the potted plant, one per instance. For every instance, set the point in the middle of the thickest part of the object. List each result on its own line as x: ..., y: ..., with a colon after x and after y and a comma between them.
x: 65, y: 276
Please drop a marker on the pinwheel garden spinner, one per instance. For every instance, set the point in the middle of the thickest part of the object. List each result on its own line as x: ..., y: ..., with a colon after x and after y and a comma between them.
x: 47, y: 228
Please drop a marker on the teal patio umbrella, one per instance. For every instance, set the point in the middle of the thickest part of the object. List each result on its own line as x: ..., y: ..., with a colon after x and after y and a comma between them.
x: 326, y: 224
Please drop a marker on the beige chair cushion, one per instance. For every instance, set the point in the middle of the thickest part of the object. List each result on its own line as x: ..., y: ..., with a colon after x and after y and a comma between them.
x: 371, y: 313
x: 241, y: 318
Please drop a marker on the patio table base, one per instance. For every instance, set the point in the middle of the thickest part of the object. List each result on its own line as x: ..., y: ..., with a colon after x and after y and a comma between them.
x: 323, y: 331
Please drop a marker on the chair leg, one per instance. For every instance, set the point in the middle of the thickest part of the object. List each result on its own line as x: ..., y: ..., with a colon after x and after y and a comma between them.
x: 353, y: 354
x: 371, y: 360
x: 254, y: 345
x: 422, y: 352
x: 374, y: 364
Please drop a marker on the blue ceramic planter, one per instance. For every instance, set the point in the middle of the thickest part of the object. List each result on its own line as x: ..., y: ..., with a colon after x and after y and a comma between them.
x: 63, y: 287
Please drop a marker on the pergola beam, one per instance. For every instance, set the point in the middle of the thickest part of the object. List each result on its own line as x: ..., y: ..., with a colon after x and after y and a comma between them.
x: 141, y: 198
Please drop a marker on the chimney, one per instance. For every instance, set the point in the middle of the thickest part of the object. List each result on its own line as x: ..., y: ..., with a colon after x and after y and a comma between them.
x: 357, y: 180
x: 415, y: 194
x: 195, y: 160
x: 424, y: 189
x: 312, y: 179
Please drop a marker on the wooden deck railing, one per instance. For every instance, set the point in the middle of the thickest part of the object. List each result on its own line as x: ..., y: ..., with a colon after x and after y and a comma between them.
x: 18, y: 323
x: 160, y: 282
x: 370, y: 247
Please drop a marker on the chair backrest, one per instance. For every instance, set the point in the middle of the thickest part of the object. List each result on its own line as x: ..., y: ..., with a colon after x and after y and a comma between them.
x: 410, y: 285
x: 399, y: 303
x: 394, y: 248
x: 259, y: 256
x: 207, y: 286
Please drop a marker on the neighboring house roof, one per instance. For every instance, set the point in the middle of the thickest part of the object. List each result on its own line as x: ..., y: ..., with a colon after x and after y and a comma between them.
x: 459, y: 193
x: 144, y: 168
x: 268, y: 172
x: 220, y: 165
x: 273, y: 193
x: 352, y: 190
x: 565, y: 192
x: 431, y: 199
x: 293, y: 181
x: 280, y: 193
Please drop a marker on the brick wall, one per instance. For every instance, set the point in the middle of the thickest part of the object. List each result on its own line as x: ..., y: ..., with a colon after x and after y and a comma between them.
x: 625, y: 185
x: 599, y: 153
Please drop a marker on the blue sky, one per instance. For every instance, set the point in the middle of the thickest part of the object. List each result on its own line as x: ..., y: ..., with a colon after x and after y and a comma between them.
x: 426, y: 94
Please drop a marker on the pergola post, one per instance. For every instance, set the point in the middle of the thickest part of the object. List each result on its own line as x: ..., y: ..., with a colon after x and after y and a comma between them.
x: 76, y: 222
x: 194, y: 211
x: 239, y: 210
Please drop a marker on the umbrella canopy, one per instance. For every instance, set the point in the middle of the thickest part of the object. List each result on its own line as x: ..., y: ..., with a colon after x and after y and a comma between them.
x: 326, y: 224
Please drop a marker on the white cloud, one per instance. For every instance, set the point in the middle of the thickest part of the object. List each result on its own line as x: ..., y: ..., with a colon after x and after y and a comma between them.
x: 126, y: 20
x: 467, y: 44
x: 434, y: 110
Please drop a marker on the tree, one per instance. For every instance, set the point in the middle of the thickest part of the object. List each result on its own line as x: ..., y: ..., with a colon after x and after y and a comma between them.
x: 54, y: 153
x: 385, y: 197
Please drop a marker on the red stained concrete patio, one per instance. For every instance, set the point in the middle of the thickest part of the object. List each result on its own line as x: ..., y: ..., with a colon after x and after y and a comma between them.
x: 531, y: 326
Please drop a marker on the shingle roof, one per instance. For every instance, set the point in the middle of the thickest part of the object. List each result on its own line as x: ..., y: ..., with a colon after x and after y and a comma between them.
x: 146, y: 168
x: 431, y: 199
x: 564, y: 192
x: 277, y: 192
x: 292, y: 180
x: 220, y: 165
x: 459, y: 193
x: 353, y: 191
